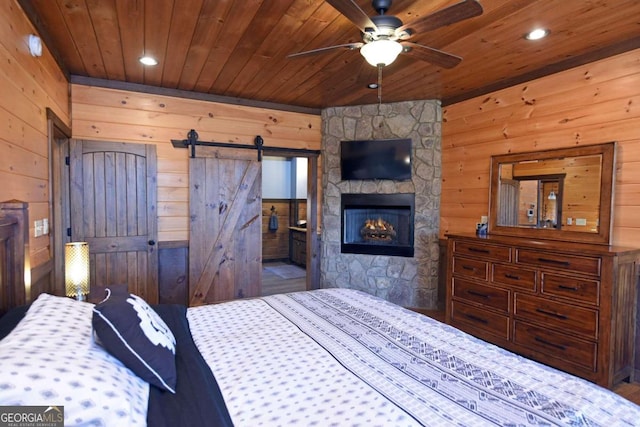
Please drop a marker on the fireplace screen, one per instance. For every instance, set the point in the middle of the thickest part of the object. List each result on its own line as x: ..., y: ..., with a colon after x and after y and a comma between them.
x: 378, y: 224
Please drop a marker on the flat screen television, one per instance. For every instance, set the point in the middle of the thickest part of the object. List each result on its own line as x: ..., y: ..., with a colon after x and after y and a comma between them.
x: 376, y: 159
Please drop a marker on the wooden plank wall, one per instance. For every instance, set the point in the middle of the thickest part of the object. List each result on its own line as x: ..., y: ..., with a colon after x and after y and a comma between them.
x: 275, y: 243
x: 28, y: 86
x: 117, y: 115
x: 591, y: 104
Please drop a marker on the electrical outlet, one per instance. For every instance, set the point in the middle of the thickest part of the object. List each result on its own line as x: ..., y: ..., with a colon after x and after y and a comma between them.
x: 581, y: 221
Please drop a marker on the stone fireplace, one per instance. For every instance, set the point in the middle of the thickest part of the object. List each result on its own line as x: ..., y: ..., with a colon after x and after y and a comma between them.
x: 377, y: 224
x: 408, y: 279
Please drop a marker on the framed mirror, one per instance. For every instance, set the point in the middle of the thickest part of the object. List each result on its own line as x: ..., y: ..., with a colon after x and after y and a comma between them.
x: 561, y: 194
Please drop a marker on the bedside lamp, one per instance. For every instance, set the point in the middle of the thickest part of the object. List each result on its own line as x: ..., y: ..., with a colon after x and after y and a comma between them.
x: 76, y: 270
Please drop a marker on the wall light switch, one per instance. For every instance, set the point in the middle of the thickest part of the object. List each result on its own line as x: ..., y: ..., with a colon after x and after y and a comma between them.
x: 37, y: 228
x: 569, y: 221
x: 45, y: 226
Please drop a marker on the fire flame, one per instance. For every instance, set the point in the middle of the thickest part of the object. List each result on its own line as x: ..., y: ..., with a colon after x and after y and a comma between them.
x: 378, y: 225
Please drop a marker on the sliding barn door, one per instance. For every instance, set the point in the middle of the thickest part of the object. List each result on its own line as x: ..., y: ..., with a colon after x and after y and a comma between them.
x: 225, y: 236
x: 509, y: 202
x: 113, y: 208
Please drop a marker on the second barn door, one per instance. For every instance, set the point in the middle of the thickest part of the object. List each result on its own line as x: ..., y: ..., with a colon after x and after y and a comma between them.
x: 225, y: 236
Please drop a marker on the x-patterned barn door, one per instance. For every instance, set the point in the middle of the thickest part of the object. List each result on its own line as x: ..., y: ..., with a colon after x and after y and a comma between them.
x: 225, y: 236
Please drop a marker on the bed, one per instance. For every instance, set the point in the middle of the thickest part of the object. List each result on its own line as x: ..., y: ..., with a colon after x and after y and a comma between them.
x: 325, y: 357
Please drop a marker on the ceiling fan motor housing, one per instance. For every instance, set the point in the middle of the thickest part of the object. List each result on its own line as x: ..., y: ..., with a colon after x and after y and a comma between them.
x: 387, y: 24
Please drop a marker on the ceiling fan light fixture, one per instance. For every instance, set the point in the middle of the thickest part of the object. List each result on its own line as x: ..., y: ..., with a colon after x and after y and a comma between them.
x: 381, y: 52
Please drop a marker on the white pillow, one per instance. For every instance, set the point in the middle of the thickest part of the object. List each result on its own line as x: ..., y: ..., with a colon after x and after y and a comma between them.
x: 51, y: 359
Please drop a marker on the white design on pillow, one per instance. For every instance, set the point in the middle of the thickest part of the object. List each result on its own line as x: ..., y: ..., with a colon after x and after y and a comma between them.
x: 152, y: 325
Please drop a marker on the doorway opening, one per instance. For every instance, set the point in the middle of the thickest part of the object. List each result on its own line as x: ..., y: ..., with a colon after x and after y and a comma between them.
x: 284, y: 224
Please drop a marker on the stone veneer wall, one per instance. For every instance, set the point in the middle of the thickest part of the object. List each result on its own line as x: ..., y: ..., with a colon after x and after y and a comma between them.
x: 410, y: 282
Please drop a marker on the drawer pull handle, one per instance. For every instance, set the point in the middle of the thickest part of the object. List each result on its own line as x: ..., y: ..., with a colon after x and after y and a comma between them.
x: 476, y: 318
x: 568, y: 288
x: 483, y: 251
x: 478, y: 294
x: 551, y: 313
x: 469, y: 268
x: 545, y: 342
x: 555, y: 261
x: 512, y: 276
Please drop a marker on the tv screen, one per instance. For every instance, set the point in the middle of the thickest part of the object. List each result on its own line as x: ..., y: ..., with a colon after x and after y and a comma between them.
x: 376, y: 159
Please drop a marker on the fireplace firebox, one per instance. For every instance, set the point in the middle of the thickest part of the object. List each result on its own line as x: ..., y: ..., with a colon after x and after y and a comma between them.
x: 377, y: 224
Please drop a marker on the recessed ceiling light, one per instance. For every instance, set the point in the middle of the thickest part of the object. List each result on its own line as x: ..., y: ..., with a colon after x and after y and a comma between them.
x: 148, y: 60
x: 372, y: 85
x: 537, y: 34
x: 35, y: 45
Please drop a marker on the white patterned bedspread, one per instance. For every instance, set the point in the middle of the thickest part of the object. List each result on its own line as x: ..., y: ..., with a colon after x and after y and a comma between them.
x: 342, y: 357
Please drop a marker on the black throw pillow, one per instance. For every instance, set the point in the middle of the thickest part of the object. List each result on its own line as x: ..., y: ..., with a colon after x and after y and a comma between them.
x: 131, y: 330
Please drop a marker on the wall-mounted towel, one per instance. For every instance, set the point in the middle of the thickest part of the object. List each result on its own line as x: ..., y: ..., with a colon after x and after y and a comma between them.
x: 273, y: 220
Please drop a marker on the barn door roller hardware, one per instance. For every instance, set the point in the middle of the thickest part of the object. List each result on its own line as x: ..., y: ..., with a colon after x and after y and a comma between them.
x: 192, y: 141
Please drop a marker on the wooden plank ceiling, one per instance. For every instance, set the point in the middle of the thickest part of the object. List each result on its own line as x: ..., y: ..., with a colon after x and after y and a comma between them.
x: 239, y: 48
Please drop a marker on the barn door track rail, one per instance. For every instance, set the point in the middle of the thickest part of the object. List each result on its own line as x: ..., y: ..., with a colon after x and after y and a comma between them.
x: 192, y: 141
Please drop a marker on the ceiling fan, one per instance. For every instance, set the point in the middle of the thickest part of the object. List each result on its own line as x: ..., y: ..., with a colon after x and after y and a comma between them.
x: 384, y: 36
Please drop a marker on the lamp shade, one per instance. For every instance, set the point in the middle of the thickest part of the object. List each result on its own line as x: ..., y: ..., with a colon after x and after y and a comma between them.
x: 381, y: 52
x: 76, y: 270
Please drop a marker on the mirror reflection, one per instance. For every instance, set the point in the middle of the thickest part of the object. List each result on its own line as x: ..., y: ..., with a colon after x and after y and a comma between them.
x: 561, y: 193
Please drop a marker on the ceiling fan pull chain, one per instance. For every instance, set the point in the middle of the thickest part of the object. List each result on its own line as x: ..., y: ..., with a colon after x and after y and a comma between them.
x: 380, y: 84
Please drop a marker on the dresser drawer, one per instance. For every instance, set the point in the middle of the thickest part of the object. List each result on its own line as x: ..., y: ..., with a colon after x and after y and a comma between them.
x: 470, y: 268
x: 587, y: 291
x: 565, y: 348
x: 483, y: 251
x: 478, y: 319
x: 514, y: 277
x: 561, y: 316
x: 485, y: 295
x: 570, y: 263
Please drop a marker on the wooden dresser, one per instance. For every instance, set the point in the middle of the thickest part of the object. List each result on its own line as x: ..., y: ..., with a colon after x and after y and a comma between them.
x: 568, y: 305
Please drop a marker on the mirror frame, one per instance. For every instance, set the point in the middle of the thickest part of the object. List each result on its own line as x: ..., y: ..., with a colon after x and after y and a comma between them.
x: 603, y: 236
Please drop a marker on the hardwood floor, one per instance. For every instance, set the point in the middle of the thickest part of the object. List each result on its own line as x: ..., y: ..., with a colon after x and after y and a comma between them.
x: 630, y: 391
x: 274, y: 284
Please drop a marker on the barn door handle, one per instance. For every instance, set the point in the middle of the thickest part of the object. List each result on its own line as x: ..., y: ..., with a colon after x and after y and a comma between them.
x: 151, y: 242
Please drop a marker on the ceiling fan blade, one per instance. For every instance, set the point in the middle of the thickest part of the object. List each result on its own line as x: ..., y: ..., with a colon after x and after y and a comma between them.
x: 350, y: 46
x: 449, y: 15
x: 352, y: 11
x: 431, y: 55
